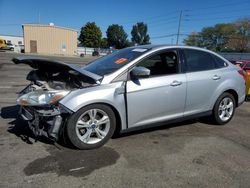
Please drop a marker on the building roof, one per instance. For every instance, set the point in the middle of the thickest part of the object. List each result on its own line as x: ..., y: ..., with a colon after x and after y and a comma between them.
x: 11, y: 35
x: 41, y: 25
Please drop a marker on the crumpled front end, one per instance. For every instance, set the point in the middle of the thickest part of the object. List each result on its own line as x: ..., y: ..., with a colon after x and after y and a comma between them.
x: 44, y: 120
x: 50, y: 82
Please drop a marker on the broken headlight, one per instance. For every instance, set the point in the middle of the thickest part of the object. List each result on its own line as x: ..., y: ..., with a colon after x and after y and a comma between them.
x: 36, y: 98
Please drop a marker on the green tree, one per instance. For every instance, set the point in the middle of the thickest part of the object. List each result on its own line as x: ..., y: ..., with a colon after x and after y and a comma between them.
x: 194, y: 39
x: 139, y: 34
x: 223, y: 32
x: 241, y: 39
x: 104, y: 43
x: 214, y: 38
x: 208, y: 38
x: 116, y: 36
x: 91, y: 35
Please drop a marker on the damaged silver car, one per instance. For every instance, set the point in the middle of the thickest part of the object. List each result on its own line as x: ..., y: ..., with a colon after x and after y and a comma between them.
x: 132, y: 88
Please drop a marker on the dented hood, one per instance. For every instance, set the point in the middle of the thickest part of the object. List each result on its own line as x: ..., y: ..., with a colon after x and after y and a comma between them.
x: 47, y: 65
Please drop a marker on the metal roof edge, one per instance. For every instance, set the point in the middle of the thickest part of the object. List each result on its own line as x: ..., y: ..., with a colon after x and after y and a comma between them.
x: 42, y: 25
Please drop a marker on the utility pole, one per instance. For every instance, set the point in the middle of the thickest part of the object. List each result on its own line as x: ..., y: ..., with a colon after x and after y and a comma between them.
x: 179, y: 26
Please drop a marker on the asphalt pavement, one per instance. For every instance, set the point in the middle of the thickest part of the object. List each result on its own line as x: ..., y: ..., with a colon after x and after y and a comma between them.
x: 188, y: 154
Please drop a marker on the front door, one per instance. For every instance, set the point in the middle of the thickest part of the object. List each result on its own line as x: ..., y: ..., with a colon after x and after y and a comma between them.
x: 159, y: 97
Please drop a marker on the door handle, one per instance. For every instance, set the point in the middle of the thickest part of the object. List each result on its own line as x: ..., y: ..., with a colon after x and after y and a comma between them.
x: 216, y: 77
x: 176, y: 83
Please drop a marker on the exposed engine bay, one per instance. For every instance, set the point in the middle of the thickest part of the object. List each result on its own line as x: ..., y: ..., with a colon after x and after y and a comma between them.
x: 61, y: 80
x: 55, y: 75
x: 50, y: 82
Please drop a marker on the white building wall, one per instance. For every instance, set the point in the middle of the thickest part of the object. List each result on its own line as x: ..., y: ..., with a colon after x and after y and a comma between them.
x: 12, y: 39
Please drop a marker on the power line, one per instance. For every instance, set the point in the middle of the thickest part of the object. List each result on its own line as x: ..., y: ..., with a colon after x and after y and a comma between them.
x: 163, y: 36
x: 227, y: 37
x: 161, y: 23
x: 197, y: 36
x: 151, y: 17
x: 191, y: 10
x: 156, y: 31
x: 181, y: 18
x: 217, y: 18
x: 163, y: 19
x: 219, y: 12
x: 221, y: 5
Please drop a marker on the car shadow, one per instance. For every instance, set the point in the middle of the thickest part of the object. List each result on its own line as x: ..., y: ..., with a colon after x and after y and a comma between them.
x: 20, y: 127
x: 157, y: 127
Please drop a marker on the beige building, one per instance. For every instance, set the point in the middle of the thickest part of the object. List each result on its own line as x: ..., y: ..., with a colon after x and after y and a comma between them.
x: 49, y: 39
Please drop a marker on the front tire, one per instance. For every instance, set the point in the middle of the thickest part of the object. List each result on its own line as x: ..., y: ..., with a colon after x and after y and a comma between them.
x: 91, y: 126
x: 224, y: 109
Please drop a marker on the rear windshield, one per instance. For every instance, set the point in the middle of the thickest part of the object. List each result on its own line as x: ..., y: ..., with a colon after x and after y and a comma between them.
x: 111, y: 63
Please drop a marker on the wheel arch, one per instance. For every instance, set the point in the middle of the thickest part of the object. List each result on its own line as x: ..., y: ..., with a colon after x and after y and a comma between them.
x: 118, y: 126
x: 235, y: 95
x: 117, y: 115
x: 232, y: 92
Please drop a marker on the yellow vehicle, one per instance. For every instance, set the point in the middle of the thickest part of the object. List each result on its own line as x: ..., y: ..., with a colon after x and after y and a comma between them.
x: 3, y: 43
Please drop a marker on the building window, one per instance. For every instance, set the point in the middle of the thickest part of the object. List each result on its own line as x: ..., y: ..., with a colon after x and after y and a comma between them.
x: 64, y: 47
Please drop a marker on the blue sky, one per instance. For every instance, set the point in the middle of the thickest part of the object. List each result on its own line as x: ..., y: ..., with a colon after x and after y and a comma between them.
x: 160, y: 15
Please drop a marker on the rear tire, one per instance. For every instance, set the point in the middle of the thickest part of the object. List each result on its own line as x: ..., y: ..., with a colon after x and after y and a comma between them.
x: 224, y: 109
x: 91, y: 126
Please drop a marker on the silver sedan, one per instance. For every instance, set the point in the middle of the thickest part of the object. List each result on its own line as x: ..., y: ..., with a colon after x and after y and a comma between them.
x: 131, y: 89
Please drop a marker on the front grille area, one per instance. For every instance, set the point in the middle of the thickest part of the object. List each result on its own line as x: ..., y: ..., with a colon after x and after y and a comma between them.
x: 26, y: 114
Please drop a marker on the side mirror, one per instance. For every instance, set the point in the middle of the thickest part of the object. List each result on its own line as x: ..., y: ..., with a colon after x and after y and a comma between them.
x: 140, y: 72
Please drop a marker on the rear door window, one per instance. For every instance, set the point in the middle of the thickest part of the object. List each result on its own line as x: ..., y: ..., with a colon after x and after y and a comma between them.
x: 197, y: 60
x: 220, y: 63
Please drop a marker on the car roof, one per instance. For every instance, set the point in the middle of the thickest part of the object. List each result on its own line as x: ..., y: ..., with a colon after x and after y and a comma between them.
x: 166, y: 46
x: 159, y: 46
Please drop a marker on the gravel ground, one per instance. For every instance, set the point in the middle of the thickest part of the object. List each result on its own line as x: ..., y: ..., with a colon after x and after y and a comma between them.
x: 188, y: 154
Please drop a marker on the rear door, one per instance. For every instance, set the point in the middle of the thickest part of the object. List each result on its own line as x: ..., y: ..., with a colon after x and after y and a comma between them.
x: 159, y: 97
x: 203, y: 78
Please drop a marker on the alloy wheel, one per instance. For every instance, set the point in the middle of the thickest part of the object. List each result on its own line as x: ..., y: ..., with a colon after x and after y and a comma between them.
x: 92, y: 126
x: 226, y: 109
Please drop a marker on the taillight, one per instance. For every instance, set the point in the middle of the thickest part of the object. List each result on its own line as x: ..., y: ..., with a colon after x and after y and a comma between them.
x: 242, y: 73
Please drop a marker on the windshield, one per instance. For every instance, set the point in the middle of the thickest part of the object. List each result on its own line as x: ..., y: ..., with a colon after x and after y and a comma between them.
x: 110, y: 63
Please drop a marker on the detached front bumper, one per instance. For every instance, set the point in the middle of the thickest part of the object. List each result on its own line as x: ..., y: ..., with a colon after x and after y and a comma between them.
x: 45, y: 121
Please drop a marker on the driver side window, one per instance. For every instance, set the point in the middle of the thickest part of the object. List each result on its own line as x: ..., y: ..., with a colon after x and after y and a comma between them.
x: 164, y: 63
